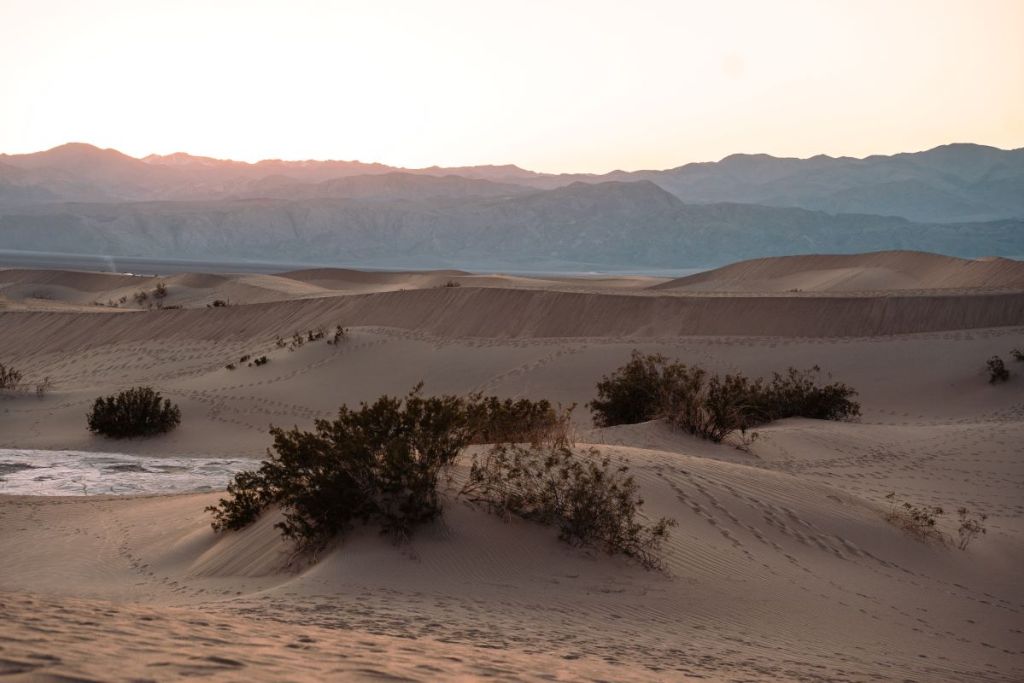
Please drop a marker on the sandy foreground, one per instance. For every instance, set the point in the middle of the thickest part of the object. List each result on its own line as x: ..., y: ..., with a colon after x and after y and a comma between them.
x: 783, y: 566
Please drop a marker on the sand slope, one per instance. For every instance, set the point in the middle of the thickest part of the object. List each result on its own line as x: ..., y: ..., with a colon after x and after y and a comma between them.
x: 885, y: 270
x: 782, y: 566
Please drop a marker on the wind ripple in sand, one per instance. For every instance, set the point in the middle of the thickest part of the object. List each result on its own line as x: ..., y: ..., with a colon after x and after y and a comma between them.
x: 76, y: 473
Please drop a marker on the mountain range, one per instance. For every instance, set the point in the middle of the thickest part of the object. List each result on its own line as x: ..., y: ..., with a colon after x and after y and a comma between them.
x: 962, y: 200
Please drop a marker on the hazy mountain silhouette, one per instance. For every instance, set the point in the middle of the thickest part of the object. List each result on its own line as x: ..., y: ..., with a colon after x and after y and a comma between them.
x: 952, y: 183
x: 405, y: 220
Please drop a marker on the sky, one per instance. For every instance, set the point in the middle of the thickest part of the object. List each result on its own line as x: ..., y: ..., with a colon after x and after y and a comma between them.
x: 549, y: 85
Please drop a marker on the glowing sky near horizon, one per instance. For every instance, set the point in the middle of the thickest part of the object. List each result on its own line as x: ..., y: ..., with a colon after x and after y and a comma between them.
x: 546, y: 84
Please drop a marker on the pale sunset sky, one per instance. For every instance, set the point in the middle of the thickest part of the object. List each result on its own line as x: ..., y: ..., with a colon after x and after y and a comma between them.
x: 549, y: 85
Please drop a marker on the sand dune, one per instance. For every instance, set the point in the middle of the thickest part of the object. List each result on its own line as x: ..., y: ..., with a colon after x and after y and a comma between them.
x: 880, y: 271
x: 783, y: 566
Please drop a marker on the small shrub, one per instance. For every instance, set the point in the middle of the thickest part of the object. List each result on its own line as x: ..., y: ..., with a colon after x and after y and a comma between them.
x: 452, y: 283
x: 10, y: 378
x: 141, y: 297
x: 139, y: 411
x: 1017, y: 355
x: 920, y: 520
x: 280, y: 343
x: 971, y: 525
x: 244, y: 358
x: 123, y: 299
x: 217, y: 303
x: 997, y: 371
x: 633, y: 393
x: 379, y: 463
x: 43, y: 387
x: 493, y: 420
x: 592, y: 502
x: 160, y: 291
x: 262, y: 360
x: 230, y: 366
x: 339, y: 333
x: 317, y: 334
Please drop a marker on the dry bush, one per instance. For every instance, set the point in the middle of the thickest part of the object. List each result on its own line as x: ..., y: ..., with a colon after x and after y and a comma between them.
x: 919, y: 520
x: 997, y: 371
x: 43, y: 387
x: 713, y: 406
x: 922, y: 521
x: 10, y: 379
x: 495, y: 420
x: 338, y: 334
x: 382, y: 463
x: 971, y: 525
x: 591, y: 502
x: 138, y: 411
x: 378, y: 463
x: 1017, y: 355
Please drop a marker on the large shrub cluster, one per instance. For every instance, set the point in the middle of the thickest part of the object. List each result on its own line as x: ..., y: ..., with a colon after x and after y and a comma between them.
x: 379, y: 463
x: 588, y: 499
x: 383, y: 464
x: 139, y: 411
x: 713, y: 406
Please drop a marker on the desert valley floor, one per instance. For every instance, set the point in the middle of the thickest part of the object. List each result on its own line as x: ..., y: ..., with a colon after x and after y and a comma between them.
x: 782, y: 566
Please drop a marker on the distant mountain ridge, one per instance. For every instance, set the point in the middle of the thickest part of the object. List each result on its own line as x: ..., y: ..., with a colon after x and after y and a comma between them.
x: 951, y: 183
x: 80, y: 199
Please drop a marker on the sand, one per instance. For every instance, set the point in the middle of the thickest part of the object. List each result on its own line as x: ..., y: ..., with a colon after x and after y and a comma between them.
x: 782, y: 567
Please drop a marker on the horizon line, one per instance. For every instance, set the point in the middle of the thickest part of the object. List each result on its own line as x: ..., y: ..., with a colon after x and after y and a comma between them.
x: 500, y: 165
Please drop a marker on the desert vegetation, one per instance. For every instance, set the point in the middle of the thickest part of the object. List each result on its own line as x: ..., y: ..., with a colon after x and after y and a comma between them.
x: 1017, y: 355
x: 922, y: 521
x: 384, y: 464
x: 714, y: 406
x: 139, y: 411
x: 591, y: 501
x: 493, y: 420
x: 10, y: 378
x: 997, y: 371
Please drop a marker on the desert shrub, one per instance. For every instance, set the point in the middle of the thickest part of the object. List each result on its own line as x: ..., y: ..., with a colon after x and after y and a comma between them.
x: 971, y: 525
x: 123, y: 299
x: 230, y: 366
x: 43, y: 387
x: 452, y: 283
x: 997, y: 371
x: 280, y: 343
x: 245, y: 358
x: 919, y: 520
x: 592, y: 502
x: 10, y: 378
x: 1017, y: 355
x: 160, y: 291
x: 494, y: 420
x: 138, y: 411
x: 217, y: 303
x: 713, y: 406
x: 317, y: 334
x: 379, y: 463
x: 338, y: 334
x: 141, y: 297
x: 633, y: 393
x: 922, y: 521
x: 262, y: 360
